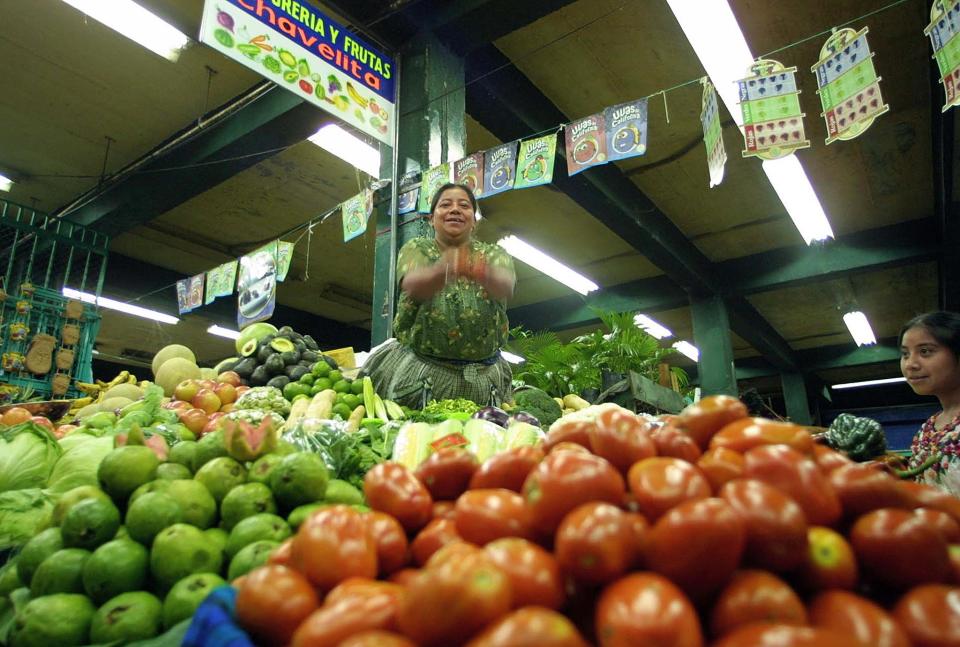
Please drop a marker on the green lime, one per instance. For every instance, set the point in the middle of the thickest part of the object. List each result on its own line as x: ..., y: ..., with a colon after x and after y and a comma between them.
x: 182, y: 550
x: 352, y: 401
x: 62, y: 572
x: 339, y: 398
x: 116, y: 567
x: 125, y: 469
x: 320, y: 369
x: 293, y: 389
x: 150, y: 514
x: 321, y: 384
x: 307, y: 379
x: 302, y: 396
x: 258, y: 527
x: 356, y: 387
x: 334, y: 376
x: 341, y: 386
x: 342, y: 410
x: 90, y: 523
x: 37, y: 549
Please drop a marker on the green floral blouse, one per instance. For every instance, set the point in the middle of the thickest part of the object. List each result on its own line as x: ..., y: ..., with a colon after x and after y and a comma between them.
x: 461, y: 321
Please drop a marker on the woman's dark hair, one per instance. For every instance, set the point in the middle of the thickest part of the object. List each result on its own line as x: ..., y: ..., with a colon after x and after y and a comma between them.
x: 453, y: 185
x: 943, y: 326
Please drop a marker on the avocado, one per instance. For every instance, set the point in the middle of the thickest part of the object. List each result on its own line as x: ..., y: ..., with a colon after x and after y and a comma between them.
x: 290, y: 357
x: 282, y: 345
x: 249, y: 348
x: 295, y: 372
x: 259, y: 376
x: 309, y: 356
x: 300, y: 346
x: 274, y: 364
x: 332, y: 363
x: 264, y: 353
x: 284, y: 331
x: 311, y: 344
x: 279, y: 381
x: 245, y: 367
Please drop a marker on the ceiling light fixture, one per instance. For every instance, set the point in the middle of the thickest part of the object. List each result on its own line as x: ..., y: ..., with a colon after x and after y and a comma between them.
x: 136, y: 23
x: 220, y: 331
x: 856, y: 385
x: 653, y: 328
x: 716, y: 38
x: 349, y: 148
x: 859, y: 328
x: 523, y: 251
x: 688, y: 349
x: 510, y: 357
x: 120, y: 306
x: 5, y: 183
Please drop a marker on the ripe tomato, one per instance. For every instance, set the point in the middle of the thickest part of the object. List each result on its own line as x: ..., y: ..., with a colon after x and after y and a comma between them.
x: 930, y: 615
x: 377, y: 638
x: 272, y: 602
x: 929, y: 496
x: 639, y: 527
x: 646, y: 609
x: 447, y: 472
x: 484, y: 515
x: 720, y: 465
x: 507, y: 469
x: 361, y: 587
x: 333, y: 544
x: 776, y: 526
x: 595, y: 543
x: 568, y: 430
x: 898, y: 549
x: 435, y: 536
x: 747, y: 433
x: 828, y: 562
x: 449, y: 603
x: 530, y: 627
x: 671, y: 441
x: 797, y: 476
x: 943, y: 522
x: 453, y: 551
x: 337, y: 621
x: 698, y: 545
x: 43, y: 421
x: 534, y: 573
x: 404, y: 576
x: 705, y: 418
x: 622, y: 438
x: 564, y: 480
x: 392, y: 488
x: 393, y: 549
x: 660, y: 483
x: 773, y: 635
x: 828, y: 459
x: 443, y: 510
x: 863, y: 620
x: 755, y: 596
x: 862, y: 488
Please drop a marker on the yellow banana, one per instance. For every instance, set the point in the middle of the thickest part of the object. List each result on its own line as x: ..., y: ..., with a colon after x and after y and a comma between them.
x: 132, y: 379
x: 88, y: 388
x: 80, y: 403
x: 356, y: 96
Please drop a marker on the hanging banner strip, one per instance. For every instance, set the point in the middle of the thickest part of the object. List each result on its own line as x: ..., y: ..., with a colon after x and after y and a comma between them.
x: 499, y: 168
x: 535, y: 161
x: 257, y: 286
x: 409, y: 191
x: 712, y: 133
x: 585, y: 143
x: 190, y: 293
x: 772, y: 117
x: 356, y: 213
x: 469, y: 172
x: 433, y: 179
x: 626, y: 126
x: 284, y: 258
x: 221, y: 281
x: 944, y: 33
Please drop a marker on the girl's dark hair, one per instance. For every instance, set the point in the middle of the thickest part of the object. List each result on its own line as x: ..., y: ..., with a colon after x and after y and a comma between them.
x: 453, y: 185
x: 943, y: 326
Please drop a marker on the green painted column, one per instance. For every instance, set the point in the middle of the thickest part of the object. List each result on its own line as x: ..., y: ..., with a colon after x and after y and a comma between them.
x: 711, y: 335
x: 795, y: 397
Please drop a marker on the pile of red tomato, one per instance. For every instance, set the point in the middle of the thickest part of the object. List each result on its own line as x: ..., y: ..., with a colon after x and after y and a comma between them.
x: 713, y: 528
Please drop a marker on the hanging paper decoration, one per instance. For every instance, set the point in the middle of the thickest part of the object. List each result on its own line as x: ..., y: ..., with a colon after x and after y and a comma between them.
x: 257, y: 286
x: 356, y: 213
x: 284, y: 258
x: 585, y: 141
x: 433, y: 179
x: 408, y: 191
x: 944, y: 33
x: 469, y: 172
x: 190, y: 293
x: 849, y: 85
x: 499, y: 168
x: 535, y: 161
x: 626, y: 126
x: 772, y: 118
x: 712, y: 133
x: 220, y: 281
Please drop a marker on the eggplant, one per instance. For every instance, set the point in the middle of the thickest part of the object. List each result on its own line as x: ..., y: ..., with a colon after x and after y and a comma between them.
x: 493, y: 414
x: 523, y: 416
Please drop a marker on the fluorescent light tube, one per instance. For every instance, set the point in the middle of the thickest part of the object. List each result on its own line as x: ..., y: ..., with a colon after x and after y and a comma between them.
x: 136, y: 23
x: 859, y: 328
x: 716, y: 38
x: 5, y: 183
x: 856, y: 385
x: 510, y: 357
x: 220, y: 331
x: 349, y: 148
x: 523, y: 251
x: 652, y: 327
x: 120, y: 306
x: 688, y: 349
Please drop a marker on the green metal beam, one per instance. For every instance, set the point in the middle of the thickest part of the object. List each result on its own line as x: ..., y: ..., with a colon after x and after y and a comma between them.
x: 711, y: 334
x: 795, y: 398
x: 824, y: 358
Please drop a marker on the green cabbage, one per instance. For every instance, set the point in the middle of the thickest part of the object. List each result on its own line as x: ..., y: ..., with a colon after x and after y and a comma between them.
x: 79, y: 464
x: 23, y: 513
x: 28, y: 458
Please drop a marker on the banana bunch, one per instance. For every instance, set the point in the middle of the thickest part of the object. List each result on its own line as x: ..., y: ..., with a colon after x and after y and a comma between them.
x: 94, y: 391
x: 125, y: 377
x: 80, y: 403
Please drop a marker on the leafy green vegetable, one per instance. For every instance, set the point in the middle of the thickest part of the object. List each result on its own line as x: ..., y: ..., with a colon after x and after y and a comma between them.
x: 348, y: 455
x: 28, y: 457
x: 860, y: 438
x: 538, y: 404
x: 444, y: 407
x: 23, y: 513
x: 79, y: 464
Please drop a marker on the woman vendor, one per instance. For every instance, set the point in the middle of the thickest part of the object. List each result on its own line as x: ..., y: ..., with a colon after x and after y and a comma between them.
x: 451, y: 317
x: 930, y: 361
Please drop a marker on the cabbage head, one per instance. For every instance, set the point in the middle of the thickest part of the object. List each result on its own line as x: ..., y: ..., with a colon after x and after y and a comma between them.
x: 28, y: 457
x: 79, y: 463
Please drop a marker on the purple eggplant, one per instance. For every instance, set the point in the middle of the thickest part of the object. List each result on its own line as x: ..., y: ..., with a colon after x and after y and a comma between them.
x: 493, y: 414
x: 523, y: 416
x: 225, y: 19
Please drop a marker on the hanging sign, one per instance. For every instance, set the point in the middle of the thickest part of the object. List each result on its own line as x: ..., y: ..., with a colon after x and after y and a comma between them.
x: 284, y: 258
x: 535, y: 161
x: 712, y: 133
x: 190, y: 293
x: 772, y: 118
x: 220, y: 281
x: 301, y: 49
x: 585, y: 142
x: 499, y: 168
x: 469, y: 172
x: 944, y: 33
x: 433, y: 179
x: 257, y: 285
x: 849, y: 85
x: 356, y: 213
x: 408, y: 191
x: 626, y: 126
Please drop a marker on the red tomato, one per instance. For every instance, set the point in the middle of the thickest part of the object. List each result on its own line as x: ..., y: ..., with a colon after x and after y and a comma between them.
x: 272, y: 602
x: 337, y: 621
x: 393, y: 549
x: 776, y: 526
x: 443, y: 510
x: 435, y: 536
x: 671, y: 441
x: 747, y: 433
x: 705, y: 418
x: 564, y: 480
x: 43, y: 421
x: 333, y: 544
x: 646, y: 609
x: 361, y: 587
x: 281, y: 554
x: 720, y: 465
x: 828, y: 562
x: 755, y: 596
x: 404, y: 576
x: 930, y: 496
x: 639, y: 527
x: 508, y: 469
x: 660, y: 483
x: 862, y: 488
x: 530, y: 627
x: 621, y: 437
x: 392, y: 488
x: 377, y: 638
x: 827, y: 459
x: 447, y: 472
x: 595, y: 543
x: 942, y: 521
x: 797, y: 476
x: 698, y: 545
x: 898, y: 549
x: 569, y: 430
x: 448, y: 604
x: 858, y: 617
x: 484, y: 515
x: 930, y: 614
x: 773, y: 635
x: 534, y: 573
x: 453, y: 551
